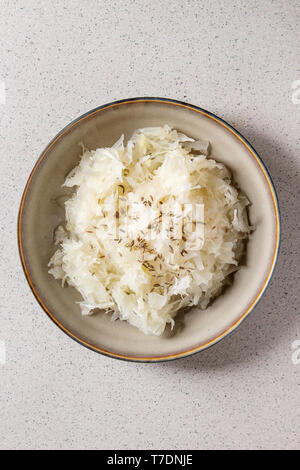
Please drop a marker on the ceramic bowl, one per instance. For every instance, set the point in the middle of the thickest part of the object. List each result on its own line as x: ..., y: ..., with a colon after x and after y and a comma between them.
x: 41, y: 211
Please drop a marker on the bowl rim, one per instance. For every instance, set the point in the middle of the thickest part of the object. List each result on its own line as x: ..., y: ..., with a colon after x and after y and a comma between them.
x: 263, y: 286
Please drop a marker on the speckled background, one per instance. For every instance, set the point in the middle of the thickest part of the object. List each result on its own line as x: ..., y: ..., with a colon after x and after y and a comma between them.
x: 236, y: 59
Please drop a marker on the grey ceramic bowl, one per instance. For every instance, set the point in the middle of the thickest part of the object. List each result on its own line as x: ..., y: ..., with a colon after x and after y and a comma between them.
x: 41, y: 210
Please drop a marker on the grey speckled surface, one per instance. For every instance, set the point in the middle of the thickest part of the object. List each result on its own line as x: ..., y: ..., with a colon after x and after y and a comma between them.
x: 240, y: 62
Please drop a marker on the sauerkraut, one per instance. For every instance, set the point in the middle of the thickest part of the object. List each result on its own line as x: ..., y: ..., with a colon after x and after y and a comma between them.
x: 118, y: 245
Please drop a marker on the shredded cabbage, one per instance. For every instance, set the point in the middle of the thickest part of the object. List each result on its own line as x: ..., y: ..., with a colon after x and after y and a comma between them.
x: 108, y: 256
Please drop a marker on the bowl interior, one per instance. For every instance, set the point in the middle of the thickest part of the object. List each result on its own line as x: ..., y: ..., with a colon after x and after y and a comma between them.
x: 42, y: 211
